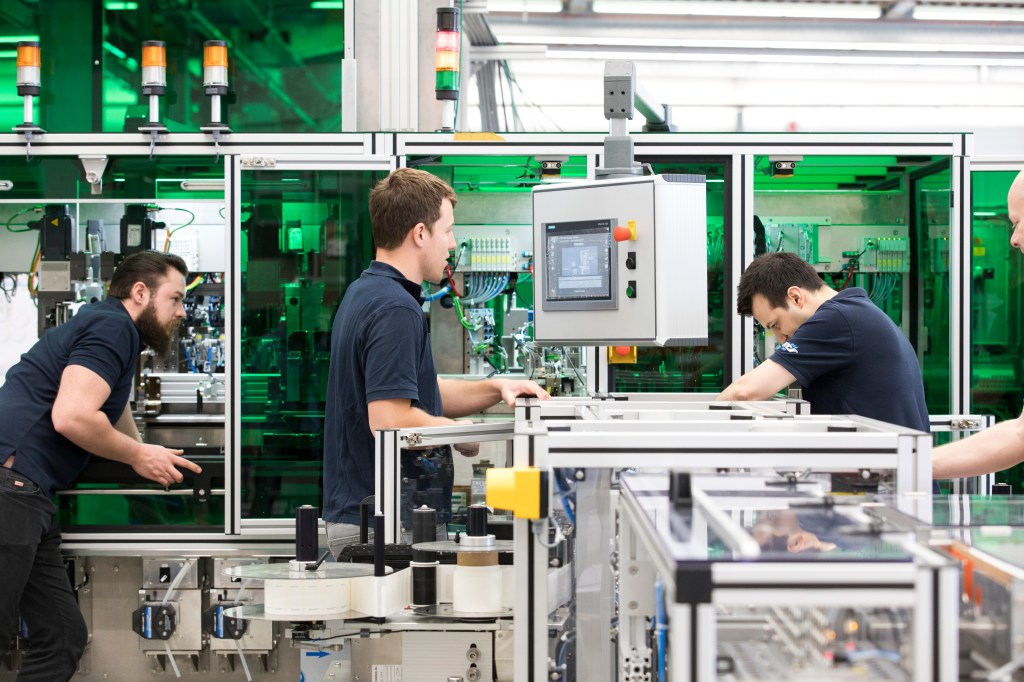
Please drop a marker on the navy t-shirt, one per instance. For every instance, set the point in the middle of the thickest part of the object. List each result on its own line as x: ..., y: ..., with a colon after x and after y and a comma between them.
x: 380, y: 350
x: 100, y: 337
x: 850, y: 358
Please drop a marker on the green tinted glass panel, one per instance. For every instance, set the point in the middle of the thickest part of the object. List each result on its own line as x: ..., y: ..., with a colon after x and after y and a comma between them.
x: 154, y: 512
x: 291, y: 289
x: 106, y: 498
x: 997, y: 342
x: 284, y: 64
x: 498, y: 173
x: 930, y: 314
x: 494, y: 251
x: 689, y: 369
x: 124, y: 178
x: 876, y: 222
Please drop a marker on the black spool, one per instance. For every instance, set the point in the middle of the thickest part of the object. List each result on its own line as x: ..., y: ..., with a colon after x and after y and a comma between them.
x: 424, y: 578
x: 424, y: 585
x: 424, y: 529
x: 476, y: 525
x: 306, y: 533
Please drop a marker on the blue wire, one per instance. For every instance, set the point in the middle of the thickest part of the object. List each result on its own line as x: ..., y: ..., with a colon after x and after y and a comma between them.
x: 562, y: 651
x: 568, y: 509
x: 564, y: 493
x: 660, y: 626
x: 438, y: 294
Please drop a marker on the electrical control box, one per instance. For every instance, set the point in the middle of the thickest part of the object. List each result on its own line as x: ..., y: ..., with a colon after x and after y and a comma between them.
x: 621, y: 261
x: 828, y: 247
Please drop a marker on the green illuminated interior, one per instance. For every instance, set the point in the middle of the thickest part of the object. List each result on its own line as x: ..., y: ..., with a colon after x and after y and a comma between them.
x: 930, y: 298
x: 997, y: 344
x: 844, y: 213
x: 495, y: 173
x: 157, y: 512
x: 284, y: 64
x: 305, y: 238
x: 125, y: 178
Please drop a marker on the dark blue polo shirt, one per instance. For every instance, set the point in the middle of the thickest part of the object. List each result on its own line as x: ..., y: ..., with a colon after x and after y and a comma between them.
x: 850, y: 358
x: 100, y: 337
x: 380, y: 350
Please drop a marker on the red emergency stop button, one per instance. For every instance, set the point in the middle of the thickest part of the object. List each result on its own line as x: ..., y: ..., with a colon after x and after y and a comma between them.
x: 625, y: 234
x: 623, y: 350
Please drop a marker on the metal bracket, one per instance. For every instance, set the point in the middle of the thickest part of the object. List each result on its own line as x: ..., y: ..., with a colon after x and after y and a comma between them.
x: 28, y: 130
x: 215, y: 130
x: 155, y: 130
x: 94, y: 165
x: 258, y: 162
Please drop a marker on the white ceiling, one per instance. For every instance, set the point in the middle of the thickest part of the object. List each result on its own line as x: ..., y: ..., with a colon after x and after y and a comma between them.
x: 735, y: 72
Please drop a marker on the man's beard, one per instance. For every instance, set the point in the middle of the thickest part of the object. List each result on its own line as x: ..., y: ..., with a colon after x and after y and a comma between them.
x: 157, y: 337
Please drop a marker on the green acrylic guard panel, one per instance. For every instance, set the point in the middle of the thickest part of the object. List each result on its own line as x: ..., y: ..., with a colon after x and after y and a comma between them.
x: 878, y: 195
x: 997, y: 317
x: 305, y: 238
x: 284, y: 66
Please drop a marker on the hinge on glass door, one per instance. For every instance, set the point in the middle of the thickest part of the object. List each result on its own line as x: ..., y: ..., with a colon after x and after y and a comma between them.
x: 259, y: 162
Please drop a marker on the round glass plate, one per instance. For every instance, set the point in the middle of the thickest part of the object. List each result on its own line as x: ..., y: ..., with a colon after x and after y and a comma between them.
x: 446, y: 611
x: 257, y: 612
x: 452, y: 546
x: 282, y: 572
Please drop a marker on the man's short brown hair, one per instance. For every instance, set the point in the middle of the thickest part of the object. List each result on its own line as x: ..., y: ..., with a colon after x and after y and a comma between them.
x: 148, y: 267
x: 404, y: 199
x: 771, y: 276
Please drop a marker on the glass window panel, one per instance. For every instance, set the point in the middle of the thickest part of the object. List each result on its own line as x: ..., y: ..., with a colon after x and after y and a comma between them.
x: 108, y: 496
x: 284, y: 64
x: 305, y: 238
x: 930, y: 273
x: 494, y: 239
x: 876, y: 222
x: 997, y: 341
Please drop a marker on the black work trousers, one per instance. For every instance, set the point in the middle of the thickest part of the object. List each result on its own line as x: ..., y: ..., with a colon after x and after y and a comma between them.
x: 34, y: 583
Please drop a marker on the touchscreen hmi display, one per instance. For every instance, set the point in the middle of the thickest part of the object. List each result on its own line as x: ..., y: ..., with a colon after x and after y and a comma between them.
x: 580, y: 261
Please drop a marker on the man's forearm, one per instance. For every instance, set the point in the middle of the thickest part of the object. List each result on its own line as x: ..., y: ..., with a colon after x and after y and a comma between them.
x: 993, y: 449
x: 462, y: 398
x: 94, y: 433
x: 388, y: 414
x: 731, y: 392
x: 761, y: 383
x: 742, y: 389
x: 126, y: 424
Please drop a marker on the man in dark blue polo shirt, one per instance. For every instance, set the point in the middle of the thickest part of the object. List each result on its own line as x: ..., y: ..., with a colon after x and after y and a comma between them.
x: 67, y: 398
x: 382, y: 373
x: 848, y: 356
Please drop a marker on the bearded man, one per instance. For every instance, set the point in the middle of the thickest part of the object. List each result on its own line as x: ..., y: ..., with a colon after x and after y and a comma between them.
x: 65, y: 400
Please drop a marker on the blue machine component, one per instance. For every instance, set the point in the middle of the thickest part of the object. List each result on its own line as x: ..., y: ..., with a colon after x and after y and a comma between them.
x: 154, y: 621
